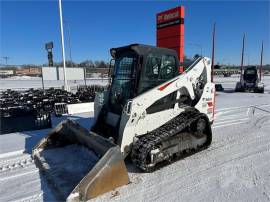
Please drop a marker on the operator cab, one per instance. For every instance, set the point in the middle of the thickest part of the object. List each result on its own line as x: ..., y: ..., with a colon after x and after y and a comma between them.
x: 250, y: 74
x: 137, y: 68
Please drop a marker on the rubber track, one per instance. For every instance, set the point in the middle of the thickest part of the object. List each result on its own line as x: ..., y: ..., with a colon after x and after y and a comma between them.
x: 148, y: 141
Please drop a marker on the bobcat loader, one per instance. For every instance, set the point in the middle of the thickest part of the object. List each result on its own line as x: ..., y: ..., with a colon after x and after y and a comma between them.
x: 150, y: 113
x: 250, y: 81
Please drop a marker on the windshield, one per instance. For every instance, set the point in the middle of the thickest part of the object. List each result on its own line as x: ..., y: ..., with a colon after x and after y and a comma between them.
x: 123, y: 81
x: 250, y: 71
x: 158, y: 69
x: 250, y: 74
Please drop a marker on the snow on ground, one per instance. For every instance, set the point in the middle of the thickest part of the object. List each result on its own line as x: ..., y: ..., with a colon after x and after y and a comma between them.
x: 24, y: 77
x: 20, y: 179
x: 23, y: 83
x: 230, y: 82
x: 234, y: 168
x: 229, y: 98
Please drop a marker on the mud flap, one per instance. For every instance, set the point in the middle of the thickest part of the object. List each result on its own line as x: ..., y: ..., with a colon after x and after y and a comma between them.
x: 108, y: 173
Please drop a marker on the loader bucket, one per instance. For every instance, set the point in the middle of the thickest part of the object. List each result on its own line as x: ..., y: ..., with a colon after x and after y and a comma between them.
x: 78, y: 164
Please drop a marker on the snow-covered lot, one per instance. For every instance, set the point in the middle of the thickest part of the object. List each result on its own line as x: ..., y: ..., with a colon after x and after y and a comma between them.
x: 22, y: 83
x: 236, y: 167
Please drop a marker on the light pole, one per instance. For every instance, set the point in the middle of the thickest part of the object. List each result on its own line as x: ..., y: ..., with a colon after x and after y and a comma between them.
x: 213, y: 52
x: 242, y: 56
x: 197, y: 45
x: 261, y: 62
x: 69, y: 41
x: 63, y: 46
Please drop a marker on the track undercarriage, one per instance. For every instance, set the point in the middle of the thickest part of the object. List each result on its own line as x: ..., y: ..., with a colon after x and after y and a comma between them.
x: 186, y: 134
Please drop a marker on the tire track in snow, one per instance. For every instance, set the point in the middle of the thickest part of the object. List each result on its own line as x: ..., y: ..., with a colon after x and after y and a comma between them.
x: 35, y: 197
x: 16, y: 162
x: 229, y: 109
x: 18, y: 175
x: 218, y: 155
x: 188, y: 179
x: 26, y: 186
x: 196, y: 170
x: 27, y: 183
x: 240, y: 115
x: 203, y: 170
x: 231, y: 116
x: 204, y: 177
x: 235, y: 139
x: 183, y: 179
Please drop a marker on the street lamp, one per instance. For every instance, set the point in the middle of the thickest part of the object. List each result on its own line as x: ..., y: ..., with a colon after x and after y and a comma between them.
x: 63, y: 45
x: 49, y: 47
x: 69, y: 40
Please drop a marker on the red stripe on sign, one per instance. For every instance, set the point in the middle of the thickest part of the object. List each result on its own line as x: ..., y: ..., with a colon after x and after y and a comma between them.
x: 210, y: 104
x: 166, y: 85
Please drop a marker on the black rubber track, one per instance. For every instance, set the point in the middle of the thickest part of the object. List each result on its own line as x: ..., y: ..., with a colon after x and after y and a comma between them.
x: 183, y: 123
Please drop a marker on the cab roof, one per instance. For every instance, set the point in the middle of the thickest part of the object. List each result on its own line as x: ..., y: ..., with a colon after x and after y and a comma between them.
x: 143, y: 50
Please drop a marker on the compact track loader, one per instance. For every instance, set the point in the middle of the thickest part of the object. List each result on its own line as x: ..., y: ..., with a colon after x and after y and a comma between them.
x: 250, y: 81
x: 151, y: 113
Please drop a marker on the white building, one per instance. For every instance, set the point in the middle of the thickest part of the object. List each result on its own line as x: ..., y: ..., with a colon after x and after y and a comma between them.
x: 6, y: 73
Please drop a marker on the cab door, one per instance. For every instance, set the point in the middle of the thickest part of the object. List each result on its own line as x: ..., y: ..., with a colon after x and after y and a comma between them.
x: 158, y: 70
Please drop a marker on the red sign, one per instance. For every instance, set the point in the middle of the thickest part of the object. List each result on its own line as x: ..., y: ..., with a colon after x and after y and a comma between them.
x: 170, y: 17
x: 170, y: 30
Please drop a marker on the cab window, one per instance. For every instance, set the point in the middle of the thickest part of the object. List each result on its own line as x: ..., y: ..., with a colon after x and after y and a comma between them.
x: 158, y: 69
x: 152, y: 67
x: 168, y: 67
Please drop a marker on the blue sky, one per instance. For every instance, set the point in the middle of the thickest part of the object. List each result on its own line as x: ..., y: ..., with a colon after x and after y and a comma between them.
x: 96, y: 26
